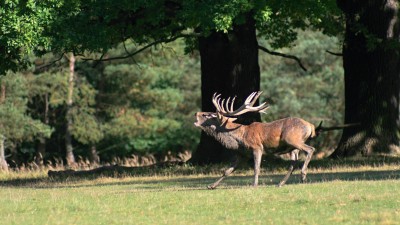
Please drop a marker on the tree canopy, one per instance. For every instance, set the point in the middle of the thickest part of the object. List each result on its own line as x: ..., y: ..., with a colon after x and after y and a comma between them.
x: 97, y: 26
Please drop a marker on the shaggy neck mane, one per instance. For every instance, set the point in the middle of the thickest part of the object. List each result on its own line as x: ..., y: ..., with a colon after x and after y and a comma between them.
x: 229, y: 136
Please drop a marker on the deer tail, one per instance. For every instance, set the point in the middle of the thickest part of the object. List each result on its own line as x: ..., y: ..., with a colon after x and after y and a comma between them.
x: 318, y: 130
x: 315, y: 131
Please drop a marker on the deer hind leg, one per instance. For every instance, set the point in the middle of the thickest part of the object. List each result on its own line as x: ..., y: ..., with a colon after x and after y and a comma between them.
x: 294, y: 156
x: 227, y: 172
x: 310, y: 151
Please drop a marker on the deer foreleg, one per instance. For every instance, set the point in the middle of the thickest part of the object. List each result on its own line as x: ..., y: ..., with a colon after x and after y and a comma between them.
x: 227, y: 172
x: 294, y: 156
x: 257, y: 163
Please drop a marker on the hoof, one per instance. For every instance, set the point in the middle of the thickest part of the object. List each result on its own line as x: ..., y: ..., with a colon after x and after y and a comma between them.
x: 210, y: 187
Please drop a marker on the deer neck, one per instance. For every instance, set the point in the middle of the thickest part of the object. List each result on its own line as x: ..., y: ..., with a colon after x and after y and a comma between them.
x: 228, y: 134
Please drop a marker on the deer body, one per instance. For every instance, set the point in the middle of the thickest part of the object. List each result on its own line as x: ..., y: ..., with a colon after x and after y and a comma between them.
x: 282, y: 136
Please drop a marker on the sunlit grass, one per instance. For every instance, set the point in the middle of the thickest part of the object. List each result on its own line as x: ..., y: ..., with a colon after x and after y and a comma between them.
x: 347, y: 193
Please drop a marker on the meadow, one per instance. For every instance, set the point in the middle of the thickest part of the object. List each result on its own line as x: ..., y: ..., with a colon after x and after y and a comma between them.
x: 337, y: 193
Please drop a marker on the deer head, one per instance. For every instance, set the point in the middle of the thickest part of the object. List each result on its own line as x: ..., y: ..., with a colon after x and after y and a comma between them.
x: 224, y: 111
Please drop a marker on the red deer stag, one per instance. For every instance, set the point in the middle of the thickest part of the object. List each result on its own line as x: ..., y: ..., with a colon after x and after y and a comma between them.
x: 282, y: 136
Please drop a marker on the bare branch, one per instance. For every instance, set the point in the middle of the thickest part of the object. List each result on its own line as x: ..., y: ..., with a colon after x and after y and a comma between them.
x: 334, y: 53
x: 128, y: 55
x: 51, y: 63
x: 283, y: 55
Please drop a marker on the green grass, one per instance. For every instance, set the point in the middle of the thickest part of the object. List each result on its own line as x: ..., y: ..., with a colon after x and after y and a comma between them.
x: 359, y: 194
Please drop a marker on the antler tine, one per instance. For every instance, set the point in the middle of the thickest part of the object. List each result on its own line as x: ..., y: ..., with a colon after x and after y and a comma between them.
x: 233, y: 101
x: 248, y: 106
x: 227, y: 104
x: 256, y: 95
x: 225, y: 107
x: 222, y: 105
x: 215, y: 100
x: 248, y: 99
x: 264, y: 109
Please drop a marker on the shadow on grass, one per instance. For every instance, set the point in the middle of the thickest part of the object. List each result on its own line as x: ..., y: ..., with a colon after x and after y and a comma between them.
x: 200, y: 183
x: 182, y: 175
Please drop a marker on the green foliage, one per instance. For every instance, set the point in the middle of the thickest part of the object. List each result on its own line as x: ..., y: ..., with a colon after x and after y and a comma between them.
x: 15, y: 124
x: 22, y: 24
x: 288, y: 17
x: 98, y: 26
x: 316, y: 95
x: 144, y: 102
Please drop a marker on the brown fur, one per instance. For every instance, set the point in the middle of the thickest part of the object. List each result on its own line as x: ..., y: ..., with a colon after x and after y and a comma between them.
x: 282, y: 136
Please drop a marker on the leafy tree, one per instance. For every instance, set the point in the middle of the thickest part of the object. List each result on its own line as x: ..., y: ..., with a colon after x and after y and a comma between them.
x: 143, y: 107
x: 145, y: 104
x: 21, y: 27
x: 45, y: 93
x: 223, y: 31
x: 15, y: 125
x: 372, y: 86
x: 48, y: 93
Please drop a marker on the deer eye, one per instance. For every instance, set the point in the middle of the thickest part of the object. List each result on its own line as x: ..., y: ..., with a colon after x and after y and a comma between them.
x: 208, y: 116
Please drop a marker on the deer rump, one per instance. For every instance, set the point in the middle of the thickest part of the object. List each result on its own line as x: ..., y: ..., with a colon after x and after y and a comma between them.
x: 282, y: 136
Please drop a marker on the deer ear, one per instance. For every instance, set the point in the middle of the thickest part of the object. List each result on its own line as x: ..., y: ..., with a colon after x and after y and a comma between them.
x: 232, y: 119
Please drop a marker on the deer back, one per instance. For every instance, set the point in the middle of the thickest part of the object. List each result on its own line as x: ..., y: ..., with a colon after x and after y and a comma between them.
x: 279, y: 133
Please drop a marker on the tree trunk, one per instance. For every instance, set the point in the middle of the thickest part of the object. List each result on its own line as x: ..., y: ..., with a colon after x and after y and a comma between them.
x: 3, y: 162
x: 229, y: 66
x: 94, y: 156
x: 68, y: 139
x: 371, y: 62
x: 41, y: 149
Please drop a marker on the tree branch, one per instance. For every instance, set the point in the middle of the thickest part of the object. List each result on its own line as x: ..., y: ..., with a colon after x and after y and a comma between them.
x: 51, y: 63
x: 334, y: 53
x: 128, y: 55
x: 283, y: 55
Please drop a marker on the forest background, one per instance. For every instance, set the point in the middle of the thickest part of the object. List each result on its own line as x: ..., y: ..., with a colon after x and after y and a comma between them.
x: 117, y: 111
x: 87, y: 110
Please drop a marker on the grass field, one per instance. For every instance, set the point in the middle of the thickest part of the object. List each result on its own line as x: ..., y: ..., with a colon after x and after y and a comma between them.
x: 358, y: 194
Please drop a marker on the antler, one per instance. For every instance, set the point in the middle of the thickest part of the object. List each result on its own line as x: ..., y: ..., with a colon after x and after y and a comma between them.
x: 246, y: 107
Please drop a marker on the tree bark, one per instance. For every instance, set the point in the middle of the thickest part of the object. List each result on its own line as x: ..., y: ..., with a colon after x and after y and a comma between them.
x: 229, y: 66
x: 94, y: 156
x: 68, y: 138
x: 3, y: 162
x: 41, y: 149
x: 371, y: 62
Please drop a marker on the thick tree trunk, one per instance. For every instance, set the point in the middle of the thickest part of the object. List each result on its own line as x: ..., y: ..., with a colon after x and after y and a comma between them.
x: 229, y: 65
x: 68, y: 139
x: 371, y: 63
